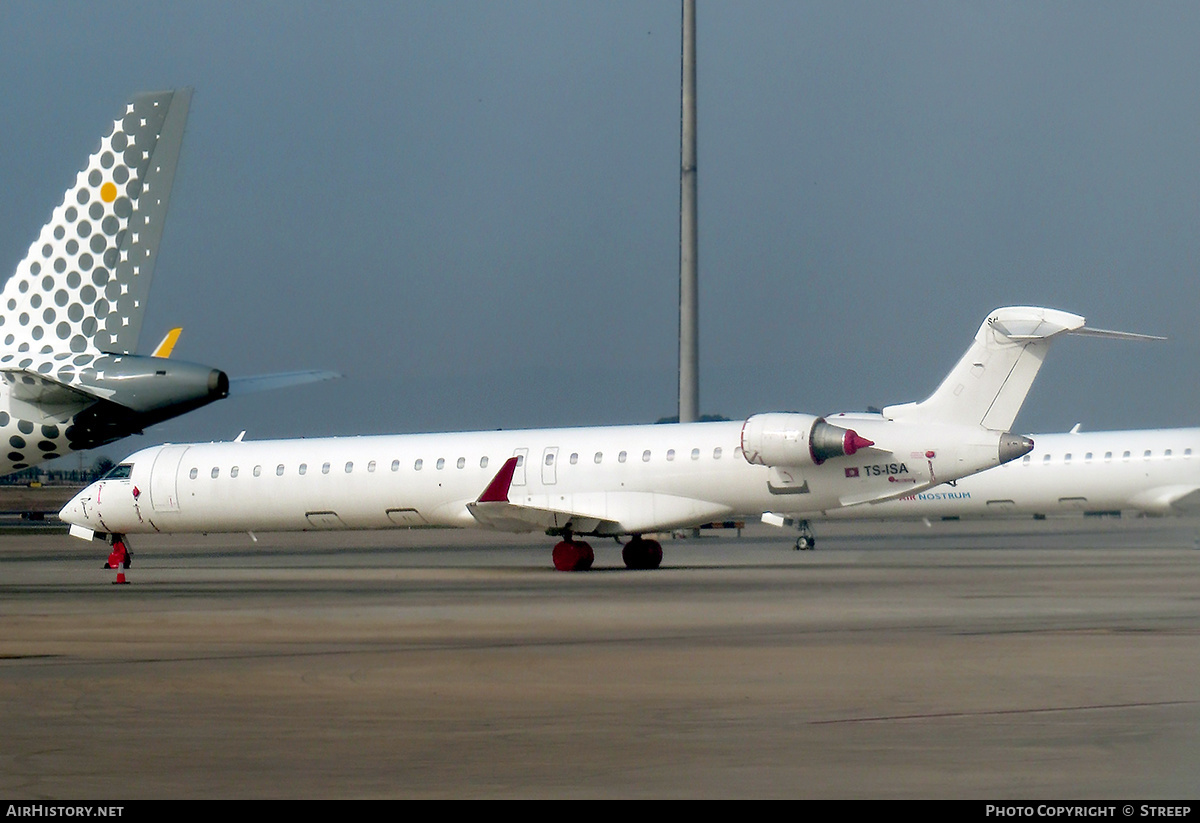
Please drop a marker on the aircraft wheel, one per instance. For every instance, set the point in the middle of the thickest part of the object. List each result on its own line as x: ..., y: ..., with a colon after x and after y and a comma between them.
x: 642, y: 554
x: 805, y: 543
x: 573, y: 556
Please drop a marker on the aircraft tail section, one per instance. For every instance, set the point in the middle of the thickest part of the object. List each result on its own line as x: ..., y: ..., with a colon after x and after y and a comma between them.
x: 989, y: 384
x: 83, y: 286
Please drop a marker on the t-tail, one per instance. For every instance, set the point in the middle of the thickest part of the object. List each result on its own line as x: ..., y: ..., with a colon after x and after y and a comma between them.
x: 989, y: 384
x: 962, y: 428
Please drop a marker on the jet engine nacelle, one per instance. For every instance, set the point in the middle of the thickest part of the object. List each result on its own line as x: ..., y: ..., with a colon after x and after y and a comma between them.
x: 151, y: 384
x: 120, y: 395
x: 782, y: 439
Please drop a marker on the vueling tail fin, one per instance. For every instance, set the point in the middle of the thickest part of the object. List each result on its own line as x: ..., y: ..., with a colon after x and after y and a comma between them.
x: 82, y: 288
x: 990, y: 382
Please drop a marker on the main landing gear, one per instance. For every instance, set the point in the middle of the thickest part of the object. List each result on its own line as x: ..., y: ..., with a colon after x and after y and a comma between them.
x: 807, y: 541
x: 640, y: 553
x: 571, y: 555
x: 119, y: 558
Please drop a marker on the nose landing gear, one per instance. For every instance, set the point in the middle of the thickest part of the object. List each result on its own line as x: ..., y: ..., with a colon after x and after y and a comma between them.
x: 119, y: 558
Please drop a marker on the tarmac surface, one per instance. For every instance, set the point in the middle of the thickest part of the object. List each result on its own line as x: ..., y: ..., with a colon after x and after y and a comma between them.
x: 1029, y: 660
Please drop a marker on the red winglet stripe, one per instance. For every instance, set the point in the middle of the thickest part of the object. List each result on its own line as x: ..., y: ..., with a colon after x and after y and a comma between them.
x: 497, y: 490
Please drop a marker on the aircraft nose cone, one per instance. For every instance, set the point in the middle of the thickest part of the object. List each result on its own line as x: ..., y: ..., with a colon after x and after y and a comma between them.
x: 73, y: 512
x: 1013, y: 446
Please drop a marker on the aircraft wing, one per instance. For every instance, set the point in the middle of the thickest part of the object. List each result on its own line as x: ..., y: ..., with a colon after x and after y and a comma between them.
x: 904, y: 490
x: 268, y: 382
x: 600, y: 512
x: 257, y: 383
x: 1181, y: 499
x: 41, y: 398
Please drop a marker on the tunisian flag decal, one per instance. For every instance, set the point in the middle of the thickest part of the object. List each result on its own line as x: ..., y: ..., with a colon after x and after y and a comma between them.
x: 852, y: 472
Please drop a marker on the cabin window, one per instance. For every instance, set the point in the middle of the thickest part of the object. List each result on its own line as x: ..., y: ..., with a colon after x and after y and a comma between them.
x: 1167, y: 454
x: 695, y: 454
x: 646, y: 456
x: 303, y: 468
x: 1067, y: 457
x: 1107, y: 456
x: 233, y: 472
x: 483, y: 461
x: 621, y: 457
x: 216, y: 472
x: 462, y: 462
x: 349, y: 468
x: 1087, y: 458
x: 1187, y: 452
x: 1146, y: 454
x: 324, y: 468
x: 717, y: 453
x: 192, y: 474
x: 1125, y: 455
x: 599, y: 456
x: 549, y: 459
x: 1026, y: 460
x: 371, y: 467
x: 279, y: 470
x: 670, y: 454
x: 258, y: 471
x: 441, y: 463
x: 1046, y: 459
x: 574, y: 458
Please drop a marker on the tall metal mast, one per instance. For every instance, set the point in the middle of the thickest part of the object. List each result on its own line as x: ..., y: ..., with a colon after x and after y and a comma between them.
x: 689, y: 348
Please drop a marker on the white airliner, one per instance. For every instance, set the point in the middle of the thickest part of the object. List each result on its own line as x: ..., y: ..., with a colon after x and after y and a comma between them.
x: 71, y: 313
x: 607, y: 481
x: 1148, y: 471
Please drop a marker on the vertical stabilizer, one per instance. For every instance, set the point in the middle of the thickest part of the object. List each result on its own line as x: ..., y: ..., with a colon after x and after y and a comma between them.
x: 989, y: 384
x: 82, y: 288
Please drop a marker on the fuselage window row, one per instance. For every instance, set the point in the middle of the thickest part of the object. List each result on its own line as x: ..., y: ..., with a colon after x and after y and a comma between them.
x: 419, y: 463
x: 1148, y: 454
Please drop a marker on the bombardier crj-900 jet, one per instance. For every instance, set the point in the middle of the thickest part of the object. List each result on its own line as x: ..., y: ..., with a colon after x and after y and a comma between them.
x: 72, y: 312
x: 610, y: 481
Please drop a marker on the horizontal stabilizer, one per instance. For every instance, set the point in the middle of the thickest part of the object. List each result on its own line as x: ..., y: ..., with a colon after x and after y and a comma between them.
x: 270, y: 382
x: 989, y: 384
x: 1114, y: 335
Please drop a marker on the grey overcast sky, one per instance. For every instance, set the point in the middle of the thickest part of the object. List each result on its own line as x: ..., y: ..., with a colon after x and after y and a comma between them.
x: 470, y: 209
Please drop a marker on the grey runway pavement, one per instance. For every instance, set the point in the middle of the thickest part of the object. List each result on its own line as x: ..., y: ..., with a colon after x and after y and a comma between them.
x: 1049, y: 660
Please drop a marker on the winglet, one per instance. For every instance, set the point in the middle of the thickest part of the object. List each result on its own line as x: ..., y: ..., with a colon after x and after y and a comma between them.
x: 167, y: 345
x: 497, y: 490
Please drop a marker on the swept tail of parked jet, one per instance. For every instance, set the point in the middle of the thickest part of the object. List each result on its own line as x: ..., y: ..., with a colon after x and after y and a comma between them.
x: 71, y: 314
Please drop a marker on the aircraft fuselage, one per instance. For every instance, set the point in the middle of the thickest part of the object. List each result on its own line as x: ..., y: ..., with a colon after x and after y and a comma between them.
x: 601, y: 480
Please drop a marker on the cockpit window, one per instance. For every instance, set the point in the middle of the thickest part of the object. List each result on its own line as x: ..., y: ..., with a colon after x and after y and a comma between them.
x: 121, y: 472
